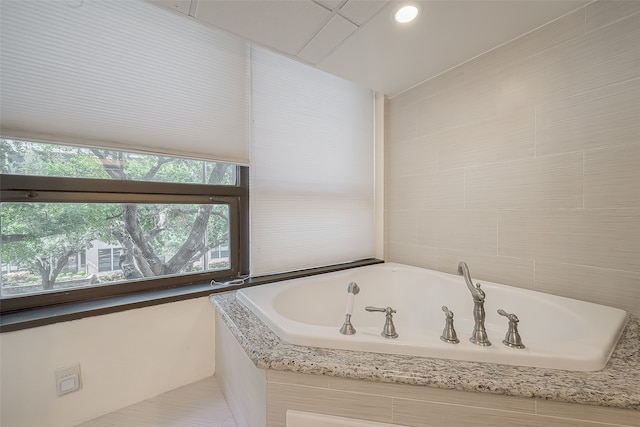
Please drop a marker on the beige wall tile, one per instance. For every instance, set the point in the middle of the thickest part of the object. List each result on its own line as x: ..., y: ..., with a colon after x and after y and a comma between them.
x: 612, y: 177
x: 519, y: 84
x: 614, y: 288
x: 441, y: 190
x: 470, y: 230
x: 400, y: 100
x: 402, y: 227
x: 419, y: 413
x: 497, y: 269
x: 412, y: 157
x: 589, y: 413
x: 431, y: 190
x: 485, y: 66
x: 400, y: 124
x: 470, y: 102
x: 286, y: 377
x: 430, y: 394
x: 545, y: 421
x: 402, y: 192
x: 527, y: 81
x: 365, y: 387
x: 331, y: 402
x: 605, y: 238
x: 603, y: 118
x: 502, y: 139
x: 543, y: 182
x: 425, y: 406
x: 574, y: 202
x: 601, y: 58
x: 419, y: 256
x: 559, y: 31
x: 429, y: 116
x: 611, y: 55
x: 434, y: 86
x: 605, y: 12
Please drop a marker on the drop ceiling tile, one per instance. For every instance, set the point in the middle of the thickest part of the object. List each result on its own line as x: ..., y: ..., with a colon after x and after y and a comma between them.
x: 283, y: 25
x: 330, y: 4
x: 360, y: 11
x: 331, y: 35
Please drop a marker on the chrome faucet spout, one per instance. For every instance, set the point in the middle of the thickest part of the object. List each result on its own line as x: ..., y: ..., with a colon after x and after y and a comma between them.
x: 479, y: 334
x: 476, y: 293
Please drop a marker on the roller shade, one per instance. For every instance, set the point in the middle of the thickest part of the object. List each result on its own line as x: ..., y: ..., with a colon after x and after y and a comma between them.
x: 123, y: 74
x: 312, y: 174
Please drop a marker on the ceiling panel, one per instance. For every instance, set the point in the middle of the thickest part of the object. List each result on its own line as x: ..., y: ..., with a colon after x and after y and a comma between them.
x: 283, y: 25
x: 330, y: 4
x: 360, y: 11
x: 368, y: 47
x: 391, y: 58
x: 330, y: 37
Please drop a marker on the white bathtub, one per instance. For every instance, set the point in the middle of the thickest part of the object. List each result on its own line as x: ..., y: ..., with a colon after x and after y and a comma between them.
x: 557, y: 332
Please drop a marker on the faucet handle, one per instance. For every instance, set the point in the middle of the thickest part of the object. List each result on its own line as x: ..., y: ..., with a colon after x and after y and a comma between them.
x: 448, y: 313
x: 511, y: 317
x: 449, y: 333
x: 389, y: 330
x: 387, y: 310
x: 512, y: 337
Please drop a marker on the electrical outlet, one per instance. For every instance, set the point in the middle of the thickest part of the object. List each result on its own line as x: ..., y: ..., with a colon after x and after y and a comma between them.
x: 68, y: 379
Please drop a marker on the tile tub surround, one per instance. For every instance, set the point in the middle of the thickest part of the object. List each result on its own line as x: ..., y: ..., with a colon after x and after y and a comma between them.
x: 525, y: 162
x: 615, y: 386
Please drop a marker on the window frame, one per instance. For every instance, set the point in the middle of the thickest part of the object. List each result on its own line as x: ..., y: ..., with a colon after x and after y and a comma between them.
x: 44, y: 189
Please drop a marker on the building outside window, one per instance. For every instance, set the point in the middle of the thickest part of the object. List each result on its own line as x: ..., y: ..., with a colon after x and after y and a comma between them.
x: 109, y: 259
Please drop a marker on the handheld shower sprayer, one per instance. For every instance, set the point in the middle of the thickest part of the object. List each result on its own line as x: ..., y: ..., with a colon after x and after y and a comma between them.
x: 347, y: 328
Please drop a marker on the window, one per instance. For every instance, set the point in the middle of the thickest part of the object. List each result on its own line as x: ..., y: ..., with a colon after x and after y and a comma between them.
x: 94, y: 222
x: 108, y: 259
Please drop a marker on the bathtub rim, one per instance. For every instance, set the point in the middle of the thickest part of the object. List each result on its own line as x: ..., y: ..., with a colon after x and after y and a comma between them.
x: 617, y: 385
x: 594, y: 359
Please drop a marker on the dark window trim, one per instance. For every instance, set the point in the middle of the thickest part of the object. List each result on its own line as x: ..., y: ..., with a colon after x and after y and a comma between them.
x: 26, y: 319
x: 47, y: 189
x: 27, y: 183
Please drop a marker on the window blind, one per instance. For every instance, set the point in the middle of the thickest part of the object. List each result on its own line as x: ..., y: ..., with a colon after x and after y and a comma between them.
x: 123, y: 74
x: 312, y: 174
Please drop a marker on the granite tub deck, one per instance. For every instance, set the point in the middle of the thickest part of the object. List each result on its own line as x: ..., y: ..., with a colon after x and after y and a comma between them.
x: 616, y: 385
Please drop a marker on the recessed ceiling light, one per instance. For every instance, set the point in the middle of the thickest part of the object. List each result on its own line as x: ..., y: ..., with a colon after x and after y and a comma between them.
x: 406, y: 14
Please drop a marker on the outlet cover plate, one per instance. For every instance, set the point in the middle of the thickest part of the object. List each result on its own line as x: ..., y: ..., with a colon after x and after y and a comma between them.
x: 68, y: 380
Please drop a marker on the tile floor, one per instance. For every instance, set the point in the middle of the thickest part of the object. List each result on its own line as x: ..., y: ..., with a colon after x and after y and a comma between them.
x: 200, y: 404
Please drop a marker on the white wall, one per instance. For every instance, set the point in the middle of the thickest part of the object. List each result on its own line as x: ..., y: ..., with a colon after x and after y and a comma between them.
x: 125, y: 357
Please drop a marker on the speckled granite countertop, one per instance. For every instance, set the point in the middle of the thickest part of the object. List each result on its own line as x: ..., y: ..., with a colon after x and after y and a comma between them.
x: 617, y: 385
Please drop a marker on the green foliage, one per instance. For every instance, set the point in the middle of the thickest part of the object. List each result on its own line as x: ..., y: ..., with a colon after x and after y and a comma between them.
x: 49, y: 160
x: 47, y: 233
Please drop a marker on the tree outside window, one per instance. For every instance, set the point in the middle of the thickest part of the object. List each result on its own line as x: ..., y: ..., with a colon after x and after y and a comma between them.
x: 79, y: 238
